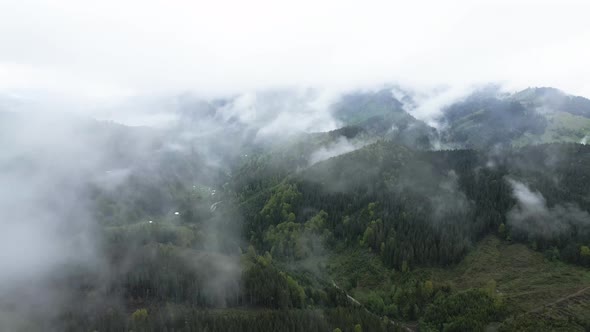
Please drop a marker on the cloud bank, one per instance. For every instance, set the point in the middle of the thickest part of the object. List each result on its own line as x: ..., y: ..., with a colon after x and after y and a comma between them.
x: 111, y: 48
x: 532, y: 215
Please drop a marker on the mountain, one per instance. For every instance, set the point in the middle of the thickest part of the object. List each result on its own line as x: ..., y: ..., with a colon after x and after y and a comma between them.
x: 357, y: 107
x: 531, y: 116
x: 380, y: 115
x: 403, y: 210
x: 229, y: 221
x: 553, y: 100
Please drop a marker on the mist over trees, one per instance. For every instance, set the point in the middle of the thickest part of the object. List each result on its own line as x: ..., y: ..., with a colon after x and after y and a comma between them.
x: 232, y: 217
x: 339, y: 166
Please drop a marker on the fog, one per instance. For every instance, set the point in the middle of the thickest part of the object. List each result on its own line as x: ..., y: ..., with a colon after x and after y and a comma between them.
x: 112, y: 49
x: 126, y: 61
x: 531, y: 214
x: 342, y: 145
x: 46, y: 224
x: 113, y: 98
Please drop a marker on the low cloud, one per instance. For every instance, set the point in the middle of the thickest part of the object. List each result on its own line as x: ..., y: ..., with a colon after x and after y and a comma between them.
x: 46, y: 228
x: 532, y: 215
x: 281, y: 112
x: 340, y: 146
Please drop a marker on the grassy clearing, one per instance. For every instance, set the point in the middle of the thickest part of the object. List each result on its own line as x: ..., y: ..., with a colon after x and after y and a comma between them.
x: 358, y: 271
x: 561, y: 127
x: 526, y: 281
x: 524, y: 277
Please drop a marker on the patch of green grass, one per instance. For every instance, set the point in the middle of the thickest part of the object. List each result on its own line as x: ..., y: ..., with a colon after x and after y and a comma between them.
x: 466, y: 122
x: 525, y: 279
x: 359, y: 270
x: 561, y: 127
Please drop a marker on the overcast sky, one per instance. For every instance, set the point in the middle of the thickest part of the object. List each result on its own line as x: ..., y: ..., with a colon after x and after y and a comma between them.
x: 113, y: 47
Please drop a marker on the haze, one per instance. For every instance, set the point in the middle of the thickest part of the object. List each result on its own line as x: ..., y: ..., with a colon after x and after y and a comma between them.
x: 294, y: 166
x: 111, y: 48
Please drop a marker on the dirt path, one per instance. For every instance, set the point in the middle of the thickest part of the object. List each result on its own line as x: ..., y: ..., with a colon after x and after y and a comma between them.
x: 560, y: 300
x: 405, y: 327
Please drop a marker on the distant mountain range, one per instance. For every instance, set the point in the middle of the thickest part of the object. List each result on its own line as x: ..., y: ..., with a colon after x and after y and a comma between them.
x: 482, y: 119
x: 358, y: 209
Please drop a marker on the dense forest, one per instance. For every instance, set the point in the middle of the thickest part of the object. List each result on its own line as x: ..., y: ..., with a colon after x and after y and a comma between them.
x: 257, y: 260
x: 294, y: 166
x: 288, y: 235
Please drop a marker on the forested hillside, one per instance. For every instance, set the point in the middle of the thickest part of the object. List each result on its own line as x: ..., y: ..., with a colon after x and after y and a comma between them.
x: 294, y: 166
x: 367, y: 227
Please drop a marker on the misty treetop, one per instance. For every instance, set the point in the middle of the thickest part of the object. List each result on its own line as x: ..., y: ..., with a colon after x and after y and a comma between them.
x: 190, y: 232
